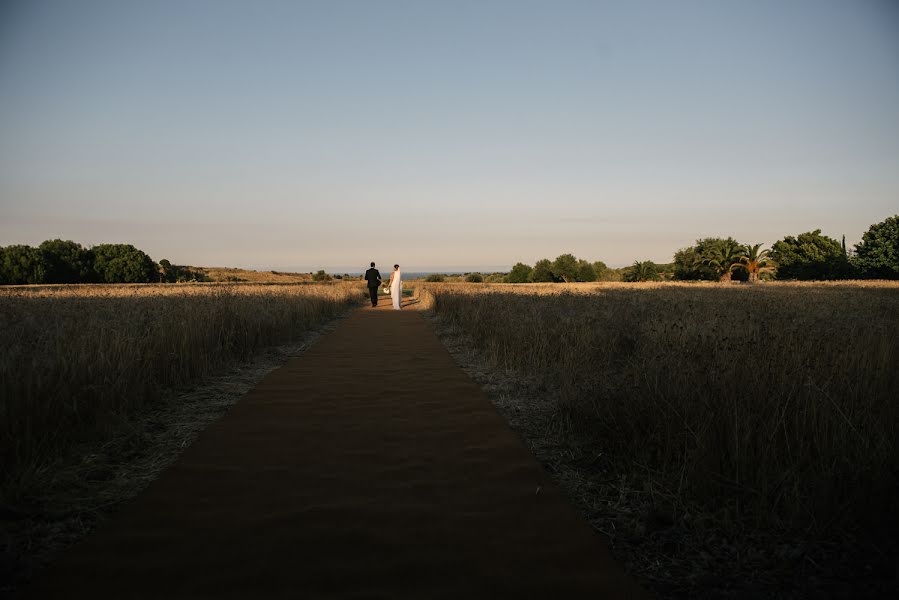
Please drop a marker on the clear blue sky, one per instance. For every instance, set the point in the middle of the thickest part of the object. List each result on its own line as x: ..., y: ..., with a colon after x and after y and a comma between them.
x: 301, y: 135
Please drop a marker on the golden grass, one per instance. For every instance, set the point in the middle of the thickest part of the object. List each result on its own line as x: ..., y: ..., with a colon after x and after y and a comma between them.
x: 773, y: 405
x: 75, y: 360
x: 226, y: 274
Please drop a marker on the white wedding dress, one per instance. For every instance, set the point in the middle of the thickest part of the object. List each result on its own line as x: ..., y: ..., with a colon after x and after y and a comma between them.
x: 396, y: 289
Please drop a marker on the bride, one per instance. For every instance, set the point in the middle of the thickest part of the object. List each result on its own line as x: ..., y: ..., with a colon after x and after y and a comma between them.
x: 396, y: 287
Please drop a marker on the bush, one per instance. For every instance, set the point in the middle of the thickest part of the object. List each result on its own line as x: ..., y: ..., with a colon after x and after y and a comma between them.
x: 435, y: 278
x: 474, y: 278
x: 170, y: 273
x: 321, y: 276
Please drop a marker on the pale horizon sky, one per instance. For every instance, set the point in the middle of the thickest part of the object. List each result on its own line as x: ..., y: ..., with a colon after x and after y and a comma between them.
x: 461, y: 135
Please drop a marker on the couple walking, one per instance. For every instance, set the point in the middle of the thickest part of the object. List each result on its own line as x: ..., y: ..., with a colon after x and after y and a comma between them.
x: 395, y: 287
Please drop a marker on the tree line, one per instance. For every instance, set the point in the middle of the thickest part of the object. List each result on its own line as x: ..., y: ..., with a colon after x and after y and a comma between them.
x: 65, y: 261
x: 807, y: 256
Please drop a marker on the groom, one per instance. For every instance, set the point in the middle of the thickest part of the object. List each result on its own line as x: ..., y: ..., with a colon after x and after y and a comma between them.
x: 374, y: 281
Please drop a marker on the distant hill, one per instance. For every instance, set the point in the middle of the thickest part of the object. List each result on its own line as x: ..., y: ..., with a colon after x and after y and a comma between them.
x: 226, y: 274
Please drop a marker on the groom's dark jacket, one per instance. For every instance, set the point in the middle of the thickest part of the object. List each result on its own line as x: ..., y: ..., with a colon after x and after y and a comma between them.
x: 373, y: 277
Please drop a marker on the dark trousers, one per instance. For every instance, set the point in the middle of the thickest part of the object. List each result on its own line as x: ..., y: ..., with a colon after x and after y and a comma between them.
x: 373, y: 292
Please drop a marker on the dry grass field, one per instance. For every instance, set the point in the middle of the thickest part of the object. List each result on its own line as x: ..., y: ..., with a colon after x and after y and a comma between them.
x: 771, y: 406
x: 76, y: 360
x: 227, y: 274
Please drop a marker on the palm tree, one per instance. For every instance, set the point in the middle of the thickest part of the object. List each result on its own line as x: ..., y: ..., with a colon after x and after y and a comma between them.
x: 643, y: 271
x: 724, y: 259
x: 756, y: 261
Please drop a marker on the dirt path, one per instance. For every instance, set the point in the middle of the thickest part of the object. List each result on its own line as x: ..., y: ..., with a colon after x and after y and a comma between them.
x: 369, y: 467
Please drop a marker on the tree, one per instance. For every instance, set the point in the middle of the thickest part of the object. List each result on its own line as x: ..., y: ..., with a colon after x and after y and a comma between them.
x: 724, y: 258
x: 585, y: 271
x: 642, y: 271
x: 688, y: 264
x: 877, y: 255
x: 692, y: 262
x: 755, y: 261
x: 542, y: 271
x: 810, y: 255
x: 67, y: 262
x: 321, y: 275
x: 169, y: 273
x: 474, y: 278
x: 600, y: 268
x: 123, y: 263
x: 22, y: 265
x: 565, y: 267
x: 520, y: 273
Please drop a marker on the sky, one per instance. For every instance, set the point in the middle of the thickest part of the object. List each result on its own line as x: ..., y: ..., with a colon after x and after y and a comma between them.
x: 444, y: 135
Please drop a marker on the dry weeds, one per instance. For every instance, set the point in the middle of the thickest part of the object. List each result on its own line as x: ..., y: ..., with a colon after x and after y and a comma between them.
x: 77, y: 361
x: 88, y: 484
x: 730, y: 440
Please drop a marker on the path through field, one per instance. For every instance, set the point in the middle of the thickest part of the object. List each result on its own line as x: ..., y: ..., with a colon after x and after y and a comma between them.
x: 369, y: 467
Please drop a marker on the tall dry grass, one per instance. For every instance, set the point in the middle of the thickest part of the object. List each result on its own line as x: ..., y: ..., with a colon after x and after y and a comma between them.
x: 772, y: 405
x: 76, y: 360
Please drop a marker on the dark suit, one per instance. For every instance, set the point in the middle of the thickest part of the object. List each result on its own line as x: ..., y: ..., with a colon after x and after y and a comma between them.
x: 373, y: 277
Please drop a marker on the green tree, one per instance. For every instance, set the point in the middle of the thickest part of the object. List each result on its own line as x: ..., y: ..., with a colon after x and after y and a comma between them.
x: 693, y: 262
x: 810, y: 255
x: 543, y: 271
x: 67, y: 262
x: 520, y: 273
x: 755, y: 261
x: 724, y: 258
x: 435, y: 277
x: 600, y: 268
x: 474, y: 278
x: 123, y: 263
x: 585, y: 271
x: 642, y: 271
x: 321, y: 275
x: 22, y: 265
x: 169, y: 273
x: 565, y: 268
x: 877, y: 255
x: 688, y: 265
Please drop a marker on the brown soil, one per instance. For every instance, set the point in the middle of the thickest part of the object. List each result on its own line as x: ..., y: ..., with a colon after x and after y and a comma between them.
x: 371, y: 466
